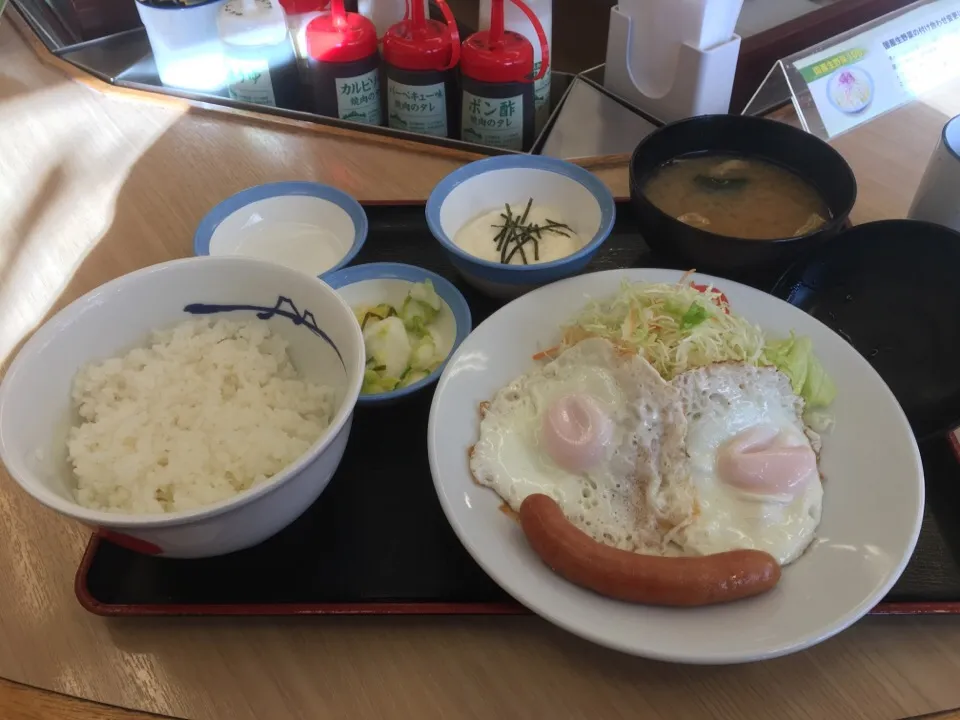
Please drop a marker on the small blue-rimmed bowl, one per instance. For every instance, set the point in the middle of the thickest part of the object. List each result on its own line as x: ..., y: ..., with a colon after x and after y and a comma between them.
x: 306, y: 226
x: 375, y: 283
x: 580, y: 199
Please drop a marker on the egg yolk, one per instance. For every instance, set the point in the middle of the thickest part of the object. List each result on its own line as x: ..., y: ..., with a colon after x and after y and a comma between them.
x: 759, y: 460
x: 576, y: 432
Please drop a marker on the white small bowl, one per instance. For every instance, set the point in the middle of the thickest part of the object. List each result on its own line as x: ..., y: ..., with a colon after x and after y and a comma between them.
x: 376, y: 283
x: 305, y: 226
x: 489, y: 184
x: 36, y: 409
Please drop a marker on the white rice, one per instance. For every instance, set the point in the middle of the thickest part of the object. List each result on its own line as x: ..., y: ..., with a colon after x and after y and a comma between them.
x: 207, y: 410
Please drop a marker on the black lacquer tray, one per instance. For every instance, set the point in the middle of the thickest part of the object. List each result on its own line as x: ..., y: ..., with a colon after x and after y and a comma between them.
x: 377, y: 542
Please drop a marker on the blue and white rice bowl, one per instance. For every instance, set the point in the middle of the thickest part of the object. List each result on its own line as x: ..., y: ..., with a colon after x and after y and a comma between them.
x: 324, y: 344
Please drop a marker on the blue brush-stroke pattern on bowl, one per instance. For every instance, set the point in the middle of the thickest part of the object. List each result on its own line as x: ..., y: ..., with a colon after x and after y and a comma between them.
x: 412, y: 274
x: 208, y: 226
x: 285, y: 307
x: 538, y: 273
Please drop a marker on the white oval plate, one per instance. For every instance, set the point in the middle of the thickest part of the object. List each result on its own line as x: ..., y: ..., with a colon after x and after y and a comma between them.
x: 873, y: 501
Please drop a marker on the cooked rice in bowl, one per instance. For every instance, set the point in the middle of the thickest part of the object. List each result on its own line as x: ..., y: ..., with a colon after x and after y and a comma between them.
x: 204, y: 411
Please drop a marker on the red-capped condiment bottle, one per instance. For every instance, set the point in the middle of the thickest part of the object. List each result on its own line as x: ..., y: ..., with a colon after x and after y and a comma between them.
x: 420, y: 58
x: 344, y: 66
x: 496, y: 76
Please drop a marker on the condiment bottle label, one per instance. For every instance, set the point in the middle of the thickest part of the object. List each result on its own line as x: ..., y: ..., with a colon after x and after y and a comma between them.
x: 497, y: 122
x: 248, y: 80
x: 417, y: 108
x: 541, y: 95
x: 358, y: 98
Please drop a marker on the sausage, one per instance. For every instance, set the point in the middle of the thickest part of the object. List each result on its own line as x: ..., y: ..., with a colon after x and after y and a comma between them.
x: 646, y: 579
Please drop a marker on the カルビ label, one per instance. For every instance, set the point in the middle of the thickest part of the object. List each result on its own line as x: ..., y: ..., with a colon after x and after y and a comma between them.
x: 358, y: 98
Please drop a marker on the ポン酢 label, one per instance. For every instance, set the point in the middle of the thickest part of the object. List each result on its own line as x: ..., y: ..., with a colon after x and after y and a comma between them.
x: 497, y: 122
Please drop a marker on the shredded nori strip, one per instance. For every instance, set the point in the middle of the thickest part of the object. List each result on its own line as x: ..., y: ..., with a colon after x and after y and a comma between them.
x: 515, y: 233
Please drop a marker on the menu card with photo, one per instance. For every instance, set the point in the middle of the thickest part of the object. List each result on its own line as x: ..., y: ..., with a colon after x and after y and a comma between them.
x: 861, y: 74
x: 885, y: 66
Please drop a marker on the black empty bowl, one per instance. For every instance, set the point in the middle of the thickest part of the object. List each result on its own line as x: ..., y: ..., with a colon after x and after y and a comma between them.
x: 889, y: 288
x: 805, y: 155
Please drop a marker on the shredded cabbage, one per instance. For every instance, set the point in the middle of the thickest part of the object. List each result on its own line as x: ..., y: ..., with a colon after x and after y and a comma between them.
x: 678, y: 327
x: 794, y: 358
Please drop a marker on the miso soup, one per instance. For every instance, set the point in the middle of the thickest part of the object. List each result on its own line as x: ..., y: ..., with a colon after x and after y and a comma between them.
x: 737, y: 196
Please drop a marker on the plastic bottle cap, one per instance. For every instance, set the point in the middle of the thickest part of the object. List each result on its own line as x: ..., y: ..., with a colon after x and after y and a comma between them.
x: 341, y: 40
x: 425, y: 48
x: 298, y: 7
x: 251, y: 23
x: 506, y: 61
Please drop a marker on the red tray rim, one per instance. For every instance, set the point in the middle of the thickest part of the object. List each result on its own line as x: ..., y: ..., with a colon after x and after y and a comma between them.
x: 94, y: 606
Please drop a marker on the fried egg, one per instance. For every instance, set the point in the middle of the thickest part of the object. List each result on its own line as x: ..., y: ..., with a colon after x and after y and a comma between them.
x: 752, y: 463
x: 601, y: 433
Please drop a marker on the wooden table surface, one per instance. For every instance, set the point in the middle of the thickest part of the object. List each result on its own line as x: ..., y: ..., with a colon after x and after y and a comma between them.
x: 93, y: 185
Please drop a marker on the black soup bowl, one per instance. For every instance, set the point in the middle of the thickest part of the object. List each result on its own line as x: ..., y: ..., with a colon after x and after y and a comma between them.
x: 808, y: 157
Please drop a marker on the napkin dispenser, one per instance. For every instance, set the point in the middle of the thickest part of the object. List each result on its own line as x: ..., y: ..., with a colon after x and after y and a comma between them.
x: 673, y: 59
